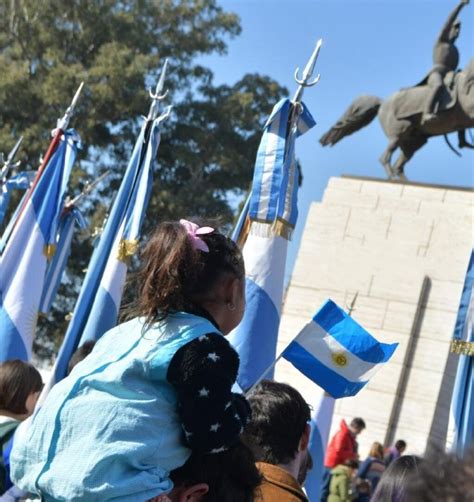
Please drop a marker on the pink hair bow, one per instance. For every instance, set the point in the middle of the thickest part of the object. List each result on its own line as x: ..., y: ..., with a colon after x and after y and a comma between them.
x: 194, y: 231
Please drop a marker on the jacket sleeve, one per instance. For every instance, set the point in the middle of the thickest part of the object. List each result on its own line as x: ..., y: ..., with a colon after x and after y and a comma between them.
x: 202, y: 373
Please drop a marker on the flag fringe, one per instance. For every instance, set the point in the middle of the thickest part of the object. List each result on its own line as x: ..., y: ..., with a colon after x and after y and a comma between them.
x: 126, y: 249
x: 462, y: 348
x: 277, y: 228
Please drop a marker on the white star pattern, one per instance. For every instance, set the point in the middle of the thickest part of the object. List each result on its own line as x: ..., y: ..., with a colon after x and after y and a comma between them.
x: 204, y: 392
x: 218, y: 450
x: 187, y: 434
x: 228, y: 405
x: 237, y: 417
x: 203, y: 338
x: 213, y: 356
x: 215, y: 427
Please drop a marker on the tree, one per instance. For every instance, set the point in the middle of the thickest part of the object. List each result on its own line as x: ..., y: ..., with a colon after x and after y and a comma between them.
x: 208, y: 145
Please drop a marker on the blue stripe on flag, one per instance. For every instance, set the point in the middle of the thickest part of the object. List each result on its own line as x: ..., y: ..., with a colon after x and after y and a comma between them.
x: 257, y: 351
x: 311, y: 367
x: 351, y: 335
x: 104, y: 312
x: 12, y: 346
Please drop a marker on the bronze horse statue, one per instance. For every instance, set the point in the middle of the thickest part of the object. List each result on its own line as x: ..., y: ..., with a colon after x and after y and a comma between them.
x: 401, y: 117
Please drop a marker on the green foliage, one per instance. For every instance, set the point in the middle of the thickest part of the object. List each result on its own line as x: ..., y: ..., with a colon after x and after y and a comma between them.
x: 208, y: 145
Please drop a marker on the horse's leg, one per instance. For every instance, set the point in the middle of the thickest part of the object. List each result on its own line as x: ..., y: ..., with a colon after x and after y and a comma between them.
x: 386, y: 157
x: 407, y: 150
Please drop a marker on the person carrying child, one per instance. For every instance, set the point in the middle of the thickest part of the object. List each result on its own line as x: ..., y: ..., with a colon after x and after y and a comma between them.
x: 154, y: 388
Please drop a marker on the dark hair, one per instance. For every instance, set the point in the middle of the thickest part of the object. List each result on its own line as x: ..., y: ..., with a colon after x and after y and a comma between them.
x: 393, y: 483
x: 17, y: 381
x: 174, y: 276
x: 400, y: 444
x: 279, y: 418
x: 231, y: 475
x: 358, y: 423
x: 443, y: 477
x: 80, y: 354
x: 352, y: 463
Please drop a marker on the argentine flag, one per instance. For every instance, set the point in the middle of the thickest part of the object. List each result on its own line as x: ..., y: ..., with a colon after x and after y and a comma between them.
x: 23, y: 262
x: 97, y: 307
x: 272, y: 210
x: 336, y: 353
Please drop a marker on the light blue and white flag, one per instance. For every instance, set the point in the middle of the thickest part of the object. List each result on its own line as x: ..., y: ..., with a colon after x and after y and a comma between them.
x: 57, y: 265
x: 273, y: 212
x: 97, y: 307
x: 336, y: 353
x: 20, y: 181
x: 24, y: 260
x: 321, y: 418
x: 462, y: 404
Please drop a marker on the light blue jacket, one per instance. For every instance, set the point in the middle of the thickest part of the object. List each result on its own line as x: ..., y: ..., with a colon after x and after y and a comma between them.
x: 110, y: 431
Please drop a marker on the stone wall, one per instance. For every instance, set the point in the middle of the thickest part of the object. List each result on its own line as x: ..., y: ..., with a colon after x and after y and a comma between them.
x: 403, y: 249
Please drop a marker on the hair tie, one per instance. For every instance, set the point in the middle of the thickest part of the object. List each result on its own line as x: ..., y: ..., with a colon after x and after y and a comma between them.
x: 194, y: 231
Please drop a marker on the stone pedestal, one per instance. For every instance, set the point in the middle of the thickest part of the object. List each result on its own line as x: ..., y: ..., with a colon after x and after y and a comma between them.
x: 402, y: 250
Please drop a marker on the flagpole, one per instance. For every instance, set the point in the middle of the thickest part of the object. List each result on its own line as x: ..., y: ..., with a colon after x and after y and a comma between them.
x: 264, y: 374
x: 8, y: 163
x: 59, y: 131
x: 241, y: 238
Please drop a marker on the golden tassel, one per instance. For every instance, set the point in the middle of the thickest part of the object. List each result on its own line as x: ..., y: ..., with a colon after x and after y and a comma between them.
x: 462, y: 348
x: 49, y: 251
x: 126, y: 249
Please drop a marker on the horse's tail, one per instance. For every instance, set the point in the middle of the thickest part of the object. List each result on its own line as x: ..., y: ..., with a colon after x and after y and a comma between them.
x: 361, y: 112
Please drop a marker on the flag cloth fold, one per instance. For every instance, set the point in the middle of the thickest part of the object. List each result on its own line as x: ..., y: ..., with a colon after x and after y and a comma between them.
x: 63, y: 249
x: 20, y: 181
x: 321, y: 418
x: 97, y: 307
x: 272, y: 210
x: 462, y: 404
x: 23, y: 262
x: 336, y: 353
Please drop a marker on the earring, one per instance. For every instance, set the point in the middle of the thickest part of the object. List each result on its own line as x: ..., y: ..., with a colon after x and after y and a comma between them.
x: 231, y: 306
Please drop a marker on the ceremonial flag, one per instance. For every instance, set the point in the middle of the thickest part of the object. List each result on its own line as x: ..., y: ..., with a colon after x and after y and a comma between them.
x: 462, y: 405
x: 63, y: 248
x: 97, y: 307
x: 23, y: 262
x: 336, y: 353
x: 20, y: 181
x: 272, y: 210
x: 321, y: 418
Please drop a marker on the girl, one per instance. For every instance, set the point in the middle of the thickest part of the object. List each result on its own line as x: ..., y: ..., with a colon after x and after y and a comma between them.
x: 153, y: 388
x: 20, y: 386
x: 371, y: 469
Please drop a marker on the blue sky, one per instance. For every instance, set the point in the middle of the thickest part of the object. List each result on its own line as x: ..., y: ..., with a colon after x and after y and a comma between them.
x: 370, y: 47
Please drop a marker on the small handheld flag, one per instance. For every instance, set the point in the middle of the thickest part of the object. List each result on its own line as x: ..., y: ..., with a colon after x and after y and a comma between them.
x: 336, y: 353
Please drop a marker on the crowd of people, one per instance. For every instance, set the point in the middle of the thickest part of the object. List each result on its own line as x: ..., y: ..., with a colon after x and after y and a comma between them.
x: 148, y: 412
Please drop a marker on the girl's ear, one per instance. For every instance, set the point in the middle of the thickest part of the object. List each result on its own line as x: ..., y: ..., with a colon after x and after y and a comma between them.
x: 194, y: 493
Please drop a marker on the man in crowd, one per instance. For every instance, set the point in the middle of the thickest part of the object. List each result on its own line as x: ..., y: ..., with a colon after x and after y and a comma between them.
x: 342, y: 447
x: 278, y: 434
x: 394, y: 452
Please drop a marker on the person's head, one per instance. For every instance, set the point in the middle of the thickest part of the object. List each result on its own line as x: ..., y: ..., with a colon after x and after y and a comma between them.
x: 401, y: 446
x: 278, y: 432
x: 376, y: 450
x: 394, y: 481
x: 230, y: 476
x: 20, y: 386
x: 185, y: 267
x: 351, y: 466
x: 80, y: 354
x: 356, y: 426
x: 443, y: 477
x: 455, y: 30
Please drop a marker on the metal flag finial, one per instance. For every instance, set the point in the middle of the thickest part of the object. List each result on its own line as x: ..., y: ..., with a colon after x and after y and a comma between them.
x: 64, y: 122
x: 307, y: 72
x: 8, y: 163
x: 158, y: 95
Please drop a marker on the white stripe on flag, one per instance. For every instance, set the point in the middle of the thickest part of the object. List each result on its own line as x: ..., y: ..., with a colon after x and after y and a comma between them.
x: 265, y: 259
x: 324, y: 346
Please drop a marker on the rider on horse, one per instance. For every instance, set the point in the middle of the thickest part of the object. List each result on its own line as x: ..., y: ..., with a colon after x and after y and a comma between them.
x: 445, y: 59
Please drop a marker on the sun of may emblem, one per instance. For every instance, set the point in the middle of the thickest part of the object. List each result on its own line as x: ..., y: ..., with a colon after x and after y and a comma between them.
x: 339, y: 359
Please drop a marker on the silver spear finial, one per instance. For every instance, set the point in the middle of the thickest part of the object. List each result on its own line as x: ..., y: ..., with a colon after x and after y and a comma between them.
x: 8, y: 163
x: 64, y: 122
x: 157, y: 96
x: 307, y: 72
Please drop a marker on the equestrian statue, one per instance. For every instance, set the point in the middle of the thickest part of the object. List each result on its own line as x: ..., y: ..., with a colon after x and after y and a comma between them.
x: 443, y: 102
